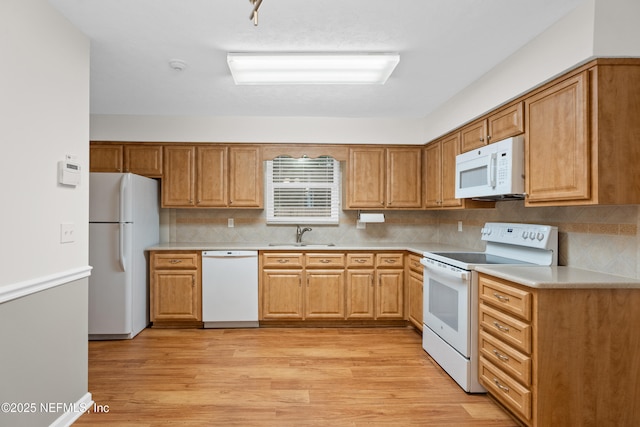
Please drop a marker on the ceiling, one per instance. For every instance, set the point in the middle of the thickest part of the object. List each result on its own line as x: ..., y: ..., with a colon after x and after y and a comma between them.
x: 444, y: 45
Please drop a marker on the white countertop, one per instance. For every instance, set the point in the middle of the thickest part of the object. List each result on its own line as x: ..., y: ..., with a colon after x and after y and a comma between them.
x: 416, y: 247
x: 559, y: 277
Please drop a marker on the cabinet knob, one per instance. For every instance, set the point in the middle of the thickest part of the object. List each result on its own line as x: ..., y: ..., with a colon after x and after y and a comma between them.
x: 488, y: 138
x: 481, y: 139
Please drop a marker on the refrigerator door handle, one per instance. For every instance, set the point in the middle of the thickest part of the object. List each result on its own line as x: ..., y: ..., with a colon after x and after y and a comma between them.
x: 121, y: 255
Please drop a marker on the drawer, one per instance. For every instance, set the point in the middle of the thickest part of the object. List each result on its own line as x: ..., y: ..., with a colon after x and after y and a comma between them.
x: 507, y: 328
x: 507, y: 358
x: 282, y: 260
x: 508, y: 298
x: 505, y: 389
x: 414, y: 263
x: 390, y: 260
x: 355, y: 260
x: 169, y: 260
x: 325, y: 260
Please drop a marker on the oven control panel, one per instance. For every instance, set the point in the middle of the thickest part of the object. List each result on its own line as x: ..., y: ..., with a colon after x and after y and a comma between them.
x: 529, y: 235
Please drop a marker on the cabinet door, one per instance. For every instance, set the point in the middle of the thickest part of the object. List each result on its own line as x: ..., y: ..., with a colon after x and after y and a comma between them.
x: 360, y: 294
x: 366, y: 178
x: 282, y: 294
x: 433, y: 175
x: 474, y: 135
x: 389, y: 294
x: 245, y: 177
x: 324, y: 294
x: 404, y: 178
x: 211, y: 176
x: 178, y: 182
x: 557, y: 149
x: 450, y: 149
x: 505, y: 123
x: 145, y: 160
x: 415, y: 299
x: 105, y: 158
x: 175, y: 296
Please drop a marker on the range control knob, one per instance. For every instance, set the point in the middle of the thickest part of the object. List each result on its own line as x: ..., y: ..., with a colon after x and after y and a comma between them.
x: 540, y: 236
x: 525, y: 234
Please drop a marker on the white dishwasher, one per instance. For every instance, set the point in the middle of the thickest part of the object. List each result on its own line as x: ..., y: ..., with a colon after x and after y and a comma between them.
x: 230, y: 289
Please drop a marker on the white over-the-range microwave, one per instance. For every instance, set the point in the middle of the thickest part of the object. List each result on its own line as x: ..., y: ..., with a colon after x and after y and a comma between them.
x: 492, y: 172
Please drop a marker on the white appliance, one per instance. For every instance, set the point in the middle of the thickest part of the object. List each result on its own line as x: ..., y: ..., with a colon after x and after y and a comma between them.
x: 123, y: 222
x: 492, y: 172
x: 230, y: 289
x: 450, y: 332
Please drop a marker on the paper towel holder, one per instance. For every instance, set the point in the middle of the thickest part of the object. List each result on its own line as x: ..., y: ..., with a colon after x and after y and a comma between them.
x: 364, y: 218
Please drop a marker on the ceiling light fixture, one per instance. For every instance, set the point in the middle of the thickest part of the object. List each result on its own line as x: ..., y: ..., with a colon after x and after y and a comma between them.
x: 311, y: 68
x: 254, y: 14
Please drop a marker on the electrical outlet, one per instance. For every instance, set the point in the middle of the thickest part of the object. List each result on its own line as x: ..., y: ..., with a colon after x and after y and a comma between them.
x: 67, y: 232
x: 230, y: 223
x: 459, y: 225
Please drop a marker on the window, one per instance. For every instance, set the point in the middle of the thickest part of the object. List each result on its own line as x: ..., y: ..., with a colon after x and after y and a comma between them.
x: 303, y: 190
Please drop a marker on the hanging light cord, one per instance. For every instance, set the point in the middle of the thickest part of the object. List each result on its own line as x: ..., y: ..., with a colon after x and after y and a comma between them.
x: 254, y: 14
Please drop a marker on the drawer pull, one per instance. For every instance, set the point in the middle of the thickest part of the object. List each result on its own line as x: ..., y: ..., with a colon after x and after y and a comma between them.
x: 500, y: 355
x: 500, y: 327
x: 500, y: 386
x: 325, y: 261
x: 390, y: 261
x: 360, y: 260
x: 175, y: 261
x: 283, y: 261
x: 501, y: 298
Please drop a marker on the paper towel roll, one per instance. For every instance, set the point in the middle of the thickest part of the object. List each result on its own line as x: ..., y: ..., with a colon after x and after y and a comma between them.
x: 371, y: 217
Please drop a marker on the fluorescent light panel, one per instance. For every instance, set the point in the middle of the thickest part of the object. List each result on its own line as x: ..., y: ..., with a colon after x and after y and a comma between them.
x: 311, y: 68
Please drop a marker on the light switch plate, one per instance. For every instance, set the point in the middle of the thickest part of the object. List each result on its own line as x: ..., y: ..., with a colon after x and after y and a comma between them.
x: 67, y: 232
x: 230, y: 223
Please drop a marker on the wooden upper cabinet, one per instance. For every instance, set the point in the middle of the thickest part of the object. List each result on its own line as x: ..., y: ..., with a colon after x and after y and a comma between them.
x: 142, y: 159
x: 404, y: 177
x: 366, y: 177
x: 245, y: 177
x: 557, y: 164
x: 211, y: 176
x: 384, y: 178
x: 105, y: 158
x: 178, y: 181
x: 506, y: 122
x: 440, y: 172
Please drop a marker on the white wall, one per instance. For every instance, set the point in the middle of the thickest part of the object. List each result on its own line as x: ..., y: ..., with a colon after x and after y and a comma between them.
x: 257, y: 129
x: 44, y: 110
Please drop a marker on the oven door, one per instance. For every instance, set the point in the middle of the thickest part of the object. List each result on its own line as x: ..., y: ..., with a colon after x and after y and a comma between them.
x: 447, y: 304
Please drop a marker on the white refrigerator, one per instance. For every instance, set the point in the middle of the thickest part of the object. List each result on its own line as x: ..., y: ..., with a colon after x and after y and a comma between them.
x: 124, y: 220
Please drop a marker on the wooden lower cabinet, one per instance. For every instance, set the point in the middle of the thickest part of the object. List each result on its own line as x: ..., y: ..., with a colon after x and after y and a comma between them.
x: 332, y: 286
x: 415, y: 281
x: 561, y: 357
x: 175, y: 289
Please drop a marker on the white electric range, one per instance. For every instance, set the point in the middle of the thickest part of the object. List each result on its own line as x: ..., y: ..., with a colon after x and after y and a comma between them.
x: 450, y: 316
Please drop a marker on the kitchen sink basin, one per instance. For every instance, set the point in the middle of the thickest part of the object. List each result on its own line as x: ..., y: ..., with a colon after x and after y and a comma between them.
x: 304, y: 244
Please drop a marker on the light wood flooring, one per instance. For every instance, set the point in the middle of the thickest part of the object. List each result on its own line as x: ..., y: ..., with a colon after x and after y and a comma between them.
x: 278, y: 377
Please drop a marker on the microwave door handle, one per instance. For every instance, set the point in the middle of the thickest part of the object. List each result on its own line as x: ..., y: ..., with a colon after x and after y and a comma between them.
x: 493, y: 163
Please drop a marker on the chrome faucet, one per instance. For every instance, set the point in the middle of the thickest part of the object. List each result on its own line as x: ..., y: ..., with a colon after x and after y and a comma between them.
x: 300, y: 232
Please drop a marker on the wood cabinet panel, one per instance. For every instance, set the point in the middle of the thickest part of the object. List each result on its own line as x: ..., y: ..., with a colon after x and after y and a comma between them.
x: 245, y: 177
x: 473, y: 135
x: 557, y: 161
x: 360, y: 293
x: 324, y: 296
x: 143, y: 159
x: 106, y: 158
x: 366, y: 178
x: 433, y: 175
x: 360, y: 260
x: 415, y: 295
x: 282, y: 294
x: 389, y: 294
x: 506, y: 122
x: 325, y: 260
x: 178, y: 181
x: 404, y: 178
x: 211, y: 176
x: 450, y: 149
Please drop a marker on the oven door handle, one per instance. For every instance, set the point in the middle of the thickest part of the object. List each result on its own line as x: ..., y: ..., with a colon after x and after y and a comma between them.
x: 439, y: 270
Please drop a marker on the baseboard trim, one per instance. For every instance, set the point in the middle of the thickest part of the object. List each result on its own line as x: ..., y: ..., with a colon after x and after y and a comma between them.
x: 28, y: 287
x: 84, y: 404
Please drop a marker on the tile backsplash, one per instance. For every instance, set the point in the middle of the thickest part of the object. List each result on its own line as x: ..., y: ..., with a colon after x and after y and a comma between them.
x: 602, y: 238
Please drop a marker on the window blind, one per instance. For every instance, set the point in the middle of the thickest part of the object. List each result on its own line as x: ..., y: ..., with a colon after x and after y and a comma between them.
x: 303, y: 190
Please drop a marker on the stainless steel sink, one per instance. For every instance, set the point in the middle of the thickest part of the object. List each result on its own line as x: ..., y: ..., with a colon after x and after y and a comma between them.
x: 304, y: 244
